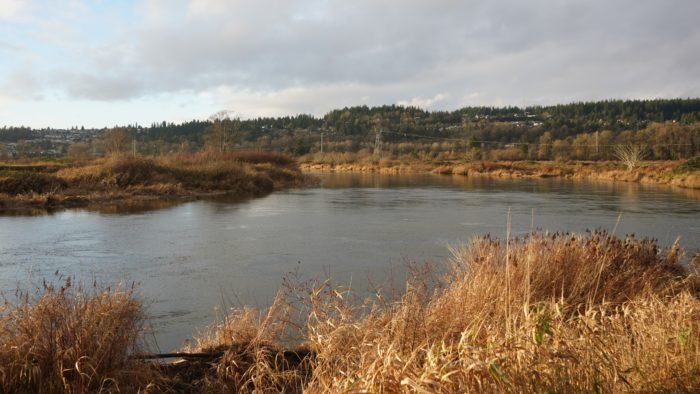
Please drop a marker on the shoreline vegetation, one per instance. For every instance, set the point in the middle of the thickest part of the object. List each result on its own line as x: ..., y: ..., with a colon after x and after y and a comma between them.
x: 541, y: 312
x: 679, y: 173
x: 132, y: 179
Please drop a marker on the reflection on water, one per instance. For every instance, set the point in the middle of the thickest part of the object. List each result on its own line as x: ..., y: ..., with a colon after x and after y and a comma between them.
x: 472, y: 183
x: 190, y: 258
x: 136, y: 206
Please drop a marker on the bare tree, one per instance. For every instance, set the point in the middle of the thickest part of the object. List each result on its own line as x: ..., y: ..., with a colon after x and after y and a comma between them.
x: 117, y: 141
x: 630, y: 155
x: 222, y: 133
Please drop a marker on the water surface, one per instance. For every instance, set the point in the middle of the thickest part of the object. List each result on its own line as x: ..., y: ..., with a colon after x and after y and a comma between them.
x: 192, y: 258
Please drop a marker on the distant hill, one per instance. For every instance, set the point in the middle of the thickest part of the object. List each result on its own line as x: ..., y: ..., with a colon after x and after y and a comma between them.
x: 357, y: 126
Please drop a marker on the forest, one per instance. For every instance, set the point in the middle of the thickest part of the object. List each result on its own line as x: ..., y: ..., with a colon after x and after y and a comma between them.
x: 666, y: 128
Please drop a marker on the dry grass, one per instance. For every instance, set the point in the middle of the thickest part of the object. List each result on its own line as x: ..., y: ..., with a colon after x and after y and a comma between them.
x: 656, y: 172
x: 544, y: 313
x: 254, y: 356
x: 125, y: 177
x: 547, y: 313
x: 71, y: 339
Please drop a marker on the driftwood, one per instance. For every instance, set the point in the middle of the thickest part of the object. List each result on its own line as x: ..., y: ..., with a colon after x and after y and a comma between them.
x: 193, y: 372
x: 290, y: 355
x: 186, y: 356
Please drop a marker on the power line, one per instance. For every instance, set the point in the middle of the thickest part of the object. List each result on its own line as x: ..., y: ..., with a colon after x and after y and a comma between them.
x: 378, y: 143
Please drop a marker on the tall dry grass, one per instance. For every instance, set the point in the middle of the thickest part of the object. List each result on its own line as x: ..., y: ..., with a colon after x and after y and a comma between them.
x: 542, y: 313
x: 123, y: 177
x: 254, y: 355
x: 547, y: 313
x: 71, y: 339
x: 234, y: 171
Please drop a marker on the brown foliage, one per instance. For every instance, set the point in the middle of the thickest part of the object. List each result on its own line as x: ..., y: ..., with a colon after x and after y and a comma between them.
x: 121, y: 177
x: 71, y: 339
x: 558, y: 312
x: 547, y: 312
x: 22, y: 182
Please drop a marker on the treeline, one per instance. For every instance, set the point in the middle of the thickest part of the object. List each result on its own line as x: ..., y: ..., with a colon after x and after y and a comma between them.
x: 584, y: 130
x: 16, y: 134
x: 501, y: 124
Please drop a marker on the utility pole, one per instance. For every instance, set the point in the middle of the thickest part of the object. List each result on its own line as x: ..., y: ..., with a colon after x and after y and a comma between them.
x: 596, y: 143
x: 321, y: 141
x: 378, y: 143
x: 133, y: 147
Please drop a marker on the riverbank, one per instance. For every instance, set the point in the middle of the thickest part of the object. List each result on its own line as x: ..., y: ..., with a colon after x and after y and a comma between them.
x: 127, y: 179
x: 563, y: 313
x: 650, y: 172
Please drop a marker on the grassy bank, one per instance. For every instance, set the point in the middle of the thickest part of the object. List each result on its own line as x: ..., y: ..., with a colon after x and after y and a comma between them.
x: 675, y: 173
x: 544, y: 313
x: 127, y: 178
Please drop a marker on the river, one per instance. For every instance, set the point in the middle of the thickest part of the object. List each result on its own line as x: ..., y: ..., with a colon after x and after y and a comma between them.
x: 192, y: 260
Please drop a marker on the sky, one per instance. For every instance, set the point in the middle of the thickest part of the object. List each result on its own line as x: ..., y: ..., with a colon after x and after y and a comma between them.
x: 104, y: 63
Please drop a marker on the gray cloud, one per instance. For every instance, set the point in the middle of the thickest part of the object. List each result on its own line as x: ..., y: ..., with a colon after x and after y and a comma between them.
x: 464, y: 52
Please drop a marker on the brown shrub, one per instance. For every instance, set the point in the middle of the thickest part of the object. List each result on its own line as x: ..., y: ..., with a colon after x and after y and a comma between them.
x: 555, y: 312
x: 547, y: 313
x: 22, y: 182
x: 71, y: 340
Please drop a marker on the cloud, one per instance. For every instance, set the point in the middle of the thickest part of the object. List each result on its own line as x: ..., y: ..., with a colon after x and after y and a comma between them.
x: 6, y: 100
x: 316, y: 100
x: 21, y: 84
x: 11, y: 9
x: 278, y: 45
x: 283, y: 56
x: 424, y: 103
x: 100, y: 87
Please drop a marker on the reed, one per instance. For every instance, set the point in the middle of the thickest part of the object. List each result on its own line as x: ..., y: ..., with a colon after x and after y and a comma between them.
x: 71, y: 339
x: 560, y: 312
x: 541, y: 312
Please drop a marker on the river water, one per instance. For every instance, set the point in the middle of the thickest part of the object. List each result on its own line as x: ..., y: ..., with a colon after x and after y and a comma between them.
x: 191, y: 260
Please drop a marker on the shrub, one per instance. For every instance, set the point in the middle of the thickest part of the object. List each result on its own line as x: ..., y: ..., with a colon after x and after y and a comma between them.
x: 70, y: 339
x: 690, y: 165
x: 22, y: 182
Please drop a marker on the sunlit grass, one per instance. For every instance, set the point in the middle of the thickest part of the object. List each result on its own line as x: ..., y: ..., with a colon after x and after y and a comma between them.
x: 544, y: 313
x: 71, y: 339
x: 673, y: 173
x: 123, y: 177
x: 573, y: 313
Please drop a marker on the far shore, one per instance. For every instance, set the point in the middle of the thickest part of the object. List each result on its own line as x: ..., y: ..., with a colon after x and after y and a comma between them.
x: 185, y: 177
x: 648, y: 172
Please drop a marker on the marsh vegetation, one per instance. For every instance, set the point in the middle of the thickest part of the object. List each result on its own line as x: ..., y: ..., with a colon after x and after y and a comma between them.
x: 676, y: 173
x: 124, y: 177
x: 542, y: 312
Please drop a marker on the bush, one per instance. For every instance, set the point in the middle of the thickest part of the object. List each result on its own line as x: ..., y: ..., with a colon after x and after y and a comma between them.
x: 23, y: 182
x: 126, y: 172
x: 72, y: 340
x: 690, y: 165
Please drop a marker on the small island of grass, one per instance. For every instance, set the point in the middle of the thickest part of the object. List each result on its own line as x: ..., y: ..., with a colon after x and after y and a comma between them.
x: 125, y: 178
